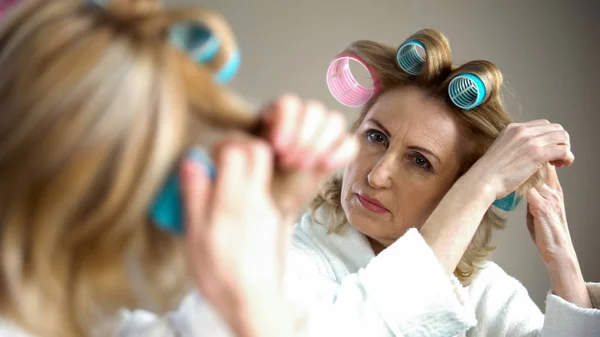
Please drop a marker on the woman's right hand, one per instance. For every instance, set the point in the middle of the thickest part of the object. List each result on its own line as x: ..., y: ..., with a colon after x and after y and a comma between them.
x: 520, y: 150
x: 236, y: 237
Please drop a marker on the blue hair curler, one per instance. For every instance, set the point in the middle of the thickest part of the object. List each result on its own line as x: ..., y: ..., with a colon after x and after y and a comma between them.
x: 167, y: 210
x: 508, y: 203
x: 99, y: 3
x: 466, y: 91
x: 230, y: 69
x: 203, y: 46
x: 408, y: 57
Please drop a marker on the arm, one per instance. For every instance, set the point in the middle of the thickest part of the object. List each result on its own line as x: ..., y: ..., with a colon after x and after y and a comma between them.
x: 569, y: 307
x: 564, y: 318
x: 518, y: 152
x: 506, y: 310
x: 401, y: 292
x: 460, y: 211
x: 236, y: 236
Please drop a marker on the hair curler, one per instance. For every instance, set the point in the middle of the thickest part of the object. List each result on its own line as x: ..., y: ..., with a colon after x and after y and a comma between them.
x: 466, y: 91
x: 408, y: 57
x: 508, y: 203
x: 203, y: 46
x: 167, y: 210
x: 342, y: 84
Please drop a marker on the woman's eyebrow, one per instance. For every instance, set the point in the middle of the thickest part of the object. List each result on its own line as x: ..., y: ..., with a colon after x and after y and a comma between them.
x: 422, y: 149
x: 379, y: 125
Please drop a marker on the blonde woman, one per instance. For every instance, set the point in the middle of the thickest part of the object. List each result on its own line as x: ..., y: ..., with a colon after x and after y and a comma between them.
x: 397, y: 245
x: 97, y: 109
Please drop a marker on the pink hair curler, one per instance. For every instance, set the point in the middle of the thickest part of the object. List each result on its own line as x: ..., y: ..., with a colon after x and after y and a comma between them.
x: 5, y: 5
x: 342, y: 84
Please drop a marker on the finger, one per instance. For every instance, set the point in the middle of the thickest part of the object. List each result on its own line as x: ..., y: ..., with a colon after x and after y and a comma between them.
x: 232, y: 160
x: 535, y: 122
x: 552, y: 177
x: 530, y: 225
x: 560, y: 154
x: 312, y: 122
x: 248, y: 144
x: 562, y: 163
x: 534, y: 198
x: 551, y: 206
x: 333, y: 131
x: 282, y: 117
x: 309, y: 123
x: 534, y: 201
x: 261, y: 164
x: 557, y: 137
x: 545, y: 191
x: 540, y: 129
x: 195, y: 186
x: 344, y: 152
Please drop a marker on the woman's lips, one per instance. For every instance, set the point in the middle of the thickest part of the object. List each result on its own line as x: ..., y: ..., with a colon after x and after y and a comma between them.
x: 371, y: 204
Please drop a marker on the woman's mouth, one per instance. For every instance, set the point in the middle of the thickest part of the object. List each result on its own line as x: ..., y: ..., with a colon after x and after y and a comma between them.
x: 371, y: 204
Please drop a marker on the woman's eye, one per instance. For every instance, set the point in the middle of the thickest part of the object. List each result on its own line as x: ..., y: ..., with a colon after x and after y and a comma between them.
x: 422, y: 162
x: 376, y: 137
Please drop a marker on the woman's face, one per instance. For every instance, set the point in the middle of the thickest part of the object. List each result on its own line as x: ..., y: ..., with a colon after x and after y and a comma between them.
x: 407, y: 161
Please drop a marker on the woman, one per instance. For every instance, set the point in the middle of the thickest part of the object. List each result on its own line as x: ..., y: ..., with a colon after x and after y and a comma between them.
x: 397, y: 245
x: 98, y: 105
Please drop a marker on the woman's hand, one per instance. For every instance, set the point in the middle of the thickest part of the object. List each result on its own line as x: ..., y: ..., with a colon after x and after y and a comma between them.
x: 306, y: 135
x: 235, y: 236
x: 520, y: 151
x: 547, y: 223
x: 310, y: 142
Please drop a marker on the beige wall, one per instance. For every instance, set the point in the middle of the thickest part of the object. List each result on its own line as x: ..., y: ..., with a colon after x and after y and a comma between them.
x: 546, y: 49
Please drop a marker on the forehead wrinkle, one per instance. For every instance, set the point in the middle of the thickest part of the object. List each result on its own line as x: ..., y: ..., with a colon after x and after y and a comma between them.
x: 436, y: 146
x: 399, y: 134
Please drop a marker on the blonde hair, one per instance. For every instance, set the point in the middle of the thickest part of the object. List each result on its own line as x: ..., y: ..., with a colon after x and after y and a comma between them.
x: 96, y: 108
x: 482, y: 125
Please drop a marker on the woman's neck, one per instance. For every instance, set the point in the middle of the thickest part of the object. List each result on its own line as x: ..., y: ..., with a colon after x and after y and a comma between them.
x: 376, y: 246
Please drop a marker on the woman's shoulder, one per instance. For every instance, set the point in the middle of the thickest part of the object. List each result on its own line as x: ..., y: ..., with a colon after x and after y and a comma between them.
x: 309, y: 244
x: 337, y: 254
x: 492, y: 276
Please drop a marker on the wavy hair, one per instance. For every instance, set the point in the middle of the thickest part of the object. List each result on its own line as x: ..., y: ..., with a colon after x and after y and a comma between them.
x: 482, y: 125
x: 96, y: 108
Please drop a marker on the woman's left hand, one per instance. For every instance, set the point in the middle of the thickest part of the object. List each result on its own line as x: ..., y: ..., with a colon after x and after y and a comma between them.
x: 547, y: 224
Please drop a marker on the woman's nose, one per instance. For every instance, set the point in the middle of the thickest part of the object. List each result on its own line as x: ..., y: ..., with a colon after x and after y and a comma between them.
x: 381, y: 174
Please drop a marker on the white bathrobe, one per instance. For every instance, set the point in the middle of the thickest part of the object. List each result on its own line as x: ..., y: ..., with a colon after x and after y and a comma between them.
x: 403, y: 292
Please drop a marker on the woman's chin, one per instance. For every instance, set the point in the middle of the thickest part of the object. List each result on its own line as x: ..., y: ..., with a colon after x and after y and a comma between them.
x: 364, y: 222
x: 378, y: 230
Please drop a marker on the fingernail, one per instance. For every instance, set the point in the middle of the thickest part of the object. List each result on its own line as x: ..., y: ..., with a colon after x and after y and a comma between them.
x: 200, y: 156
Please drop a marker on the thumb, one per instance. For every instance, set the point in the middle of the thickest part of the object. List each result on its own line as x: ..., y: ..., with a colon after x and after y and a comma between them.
x: 196, y: 173
x: 534, y: 202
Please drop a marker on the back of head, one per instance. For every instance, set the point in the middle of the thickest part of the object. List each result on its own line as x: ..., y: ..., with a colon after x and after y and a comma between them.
x: 95, y: 110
